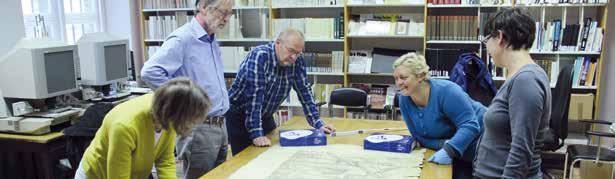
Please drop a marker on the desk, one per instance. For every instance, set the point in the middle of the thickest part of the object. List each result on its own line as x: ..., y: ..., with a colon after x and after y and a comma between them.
x: 30, y: 156
x: 429, y: 171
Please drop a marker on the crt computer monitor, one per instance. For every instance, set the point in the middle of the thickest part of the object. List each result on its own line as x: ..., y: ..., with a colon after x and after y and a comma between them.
x: 38, y: 69
x: 103, y: 59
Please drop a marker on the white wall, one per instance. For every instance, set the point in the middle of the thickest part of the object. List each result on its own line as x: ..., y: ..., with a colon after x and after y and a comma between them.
x: 117, y: 18
x: 12, y: 24
x: 122, y: 20
x: 607, y: 85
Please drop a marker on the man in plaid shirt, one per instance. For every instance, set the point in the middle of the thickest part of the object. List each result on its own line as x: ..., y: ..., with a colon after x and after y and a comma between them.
x: 263, y: 82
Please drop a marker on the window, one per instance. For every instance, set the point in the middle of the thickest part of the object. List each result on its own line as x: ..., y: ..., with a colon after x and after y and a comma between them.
x: 64, y: 20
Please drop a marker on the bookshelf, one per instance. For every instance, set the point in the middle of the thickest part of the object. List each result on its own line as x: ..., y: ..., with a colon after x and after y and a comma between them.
x: 476, y: 42
x: 339, y: 32
x: 313, y: 7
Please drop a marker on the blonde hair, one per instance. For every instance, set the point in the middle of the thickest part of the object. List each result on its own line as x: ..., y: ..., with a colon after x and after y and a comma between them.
x: 415, y: 63
x: 180, y: 103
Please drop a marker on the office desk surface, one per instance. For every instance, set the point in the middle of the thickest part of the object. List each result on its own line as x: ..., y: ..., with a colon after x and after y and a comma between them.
x: 42, y: 139
x: 430, y: 170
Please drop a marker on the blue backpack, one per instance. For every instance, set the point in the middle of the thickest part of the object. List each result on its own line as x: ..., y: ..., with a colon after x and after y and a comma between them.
x: 471, y: 73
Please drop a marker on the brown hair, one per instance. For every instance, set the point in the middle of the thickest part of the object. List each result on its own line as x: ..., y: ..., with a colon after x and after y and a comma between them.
x: 180, y: 103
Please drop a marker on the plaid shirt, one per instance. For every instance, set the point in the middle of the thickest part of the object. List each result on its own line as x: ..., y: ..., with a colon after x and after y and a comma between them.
x: 261, y: 85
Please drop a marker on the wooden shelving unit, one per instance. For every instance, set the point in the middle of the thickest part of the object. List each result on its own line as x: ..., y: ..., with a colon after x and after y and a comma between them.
x: 596, y: 10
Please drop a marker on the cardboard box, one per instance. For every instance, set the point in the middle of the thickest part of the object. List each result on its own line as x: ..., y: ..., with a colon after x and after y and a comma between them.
x: 389, y: 143
x: 589, y: 169
x: 581, y: 106
x: 302, y: 137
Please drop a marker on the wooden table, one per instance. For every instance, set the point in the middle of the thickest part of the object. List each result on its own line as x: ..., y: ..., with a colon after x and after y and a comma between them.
x: 31, y: 156
x: 429, y: 171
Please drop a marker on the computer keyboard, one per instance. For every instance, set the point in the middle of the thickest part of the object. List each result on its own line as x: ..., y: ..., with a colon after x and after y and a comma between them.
x: 138, y: 90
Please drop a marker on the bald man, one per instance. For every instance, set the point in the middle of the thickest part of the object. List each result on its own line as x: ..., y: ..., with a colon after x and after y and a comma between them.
x: 263, y: 82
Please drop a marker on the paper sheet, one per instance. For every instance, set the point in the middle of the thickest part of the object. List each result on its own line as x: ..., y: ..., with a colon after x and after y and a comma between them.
x: 331, y: 161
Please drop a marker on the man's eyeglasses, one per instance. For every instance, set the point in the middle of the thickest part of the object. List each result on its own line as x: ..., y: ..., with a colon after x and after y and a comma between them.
x: 485, y: 39
x: 293, y: 51
x: 224, y: 13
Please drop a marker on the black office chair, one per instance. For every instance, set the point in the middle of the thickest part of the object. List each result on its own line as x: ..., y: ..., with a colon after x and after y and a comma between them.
x: 560, y: 102
x: 596, y: 153
x: 80, y: 134
x: 349, y: 97
x: 392, y: 108
x: 554, y: 136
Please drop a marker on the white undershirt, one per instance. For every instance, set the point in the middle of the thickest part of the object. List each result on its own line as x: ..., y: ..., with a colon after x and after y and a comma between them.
x: 157, y: 137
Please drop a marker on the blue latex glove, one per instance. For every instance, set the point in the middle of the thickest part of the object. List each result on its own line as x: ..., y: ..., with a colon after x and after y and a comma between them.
x: 441, y: 157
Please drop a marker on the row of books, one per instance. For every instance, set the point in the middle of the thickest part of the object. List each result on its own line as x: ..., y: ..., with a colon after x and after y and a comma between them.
x: 293, y: 3
x: 232, y: 29
x: 161, y: 4
x: 555, y: 36
x: 442, y: 60
x: 313, y: 28
x: 387, y: 24
x: 240, y: 25
x: 251, y: 3
x: 437, y: 2
x: 358, y: 2
x: 159, y: 27
x: 547, y: 65
x: 324, y: 62
x: 232, y: 58
x: 528, y: 2
x: 359, y: 61
x: 245, y: 24
x: 378, y: 95
x: 452, y: 27
x: 167, y: 4
x: 483, y: 2
x: 584, y: 71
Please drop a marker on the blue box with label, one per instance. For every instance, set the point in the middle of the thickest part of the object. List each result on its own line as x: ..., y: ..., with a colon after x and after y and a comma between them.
x: 389, y: 143
x: 302, y: 137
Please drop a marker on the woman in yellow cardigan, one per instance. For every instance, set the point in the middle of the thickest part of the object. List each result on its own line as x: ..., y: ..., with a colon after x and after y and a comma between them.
x: 140, y: 132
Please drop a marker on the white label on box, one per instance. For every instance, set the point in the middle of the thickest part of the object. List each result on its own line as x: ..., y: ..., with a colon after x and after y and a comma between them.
x: 383, y: 138
x: 296, y: 134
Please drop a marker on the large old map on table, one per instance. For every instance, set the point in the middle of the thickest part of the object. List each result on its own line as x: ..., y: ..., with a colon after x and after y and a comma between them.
x: 332, y: 161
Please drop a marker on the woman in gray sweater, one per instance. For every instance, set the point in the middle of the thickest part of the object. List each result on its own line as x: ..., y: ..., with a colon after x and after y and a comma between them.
x: 510, y: 145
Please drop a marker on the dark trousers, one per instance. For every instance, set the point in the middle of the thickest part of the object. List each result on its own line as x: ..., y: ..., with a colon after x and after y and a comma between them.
x: 462, y: 169
x: 238, y: 135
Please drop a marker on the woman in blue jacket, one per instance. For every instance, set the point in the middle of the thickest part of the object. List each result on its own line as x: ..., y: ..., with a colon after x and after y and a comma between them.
x: 439, y: 114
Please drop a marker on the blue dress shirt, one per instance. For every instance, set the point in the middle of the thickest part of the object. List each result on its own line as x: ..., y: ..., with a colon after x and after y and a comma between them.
x: 189, y: 51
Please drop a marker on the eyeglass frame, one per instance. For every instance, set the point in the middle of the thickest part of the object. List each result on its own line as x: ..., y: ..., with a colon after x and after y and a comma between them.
x: 485, y: 39
x: 293, y: 51
x: 224, y: 14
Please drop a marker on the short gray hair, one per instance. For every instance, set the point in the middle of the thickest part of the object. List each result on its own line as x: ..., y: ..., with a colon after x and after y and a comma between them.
x: 415, y: 63
x: 290, y: 32
x: 206, y: 3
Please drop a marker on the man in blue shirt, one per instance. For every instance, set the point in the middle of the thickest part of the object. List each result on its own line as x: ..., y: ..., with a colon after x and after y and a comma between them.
x: 264, y: 80
x: 192, y: 51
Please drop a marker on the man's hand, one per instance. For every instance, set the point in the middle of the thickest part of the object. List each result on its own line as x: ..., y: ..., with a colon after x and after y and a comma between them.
x: 328, y: 128
x: 261, y: 141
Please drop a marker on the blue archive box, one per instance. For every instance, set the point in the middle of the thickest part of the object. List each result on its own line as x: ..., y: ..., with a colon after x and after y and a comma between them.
x: 389, y: 143
x: 302, y: 137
